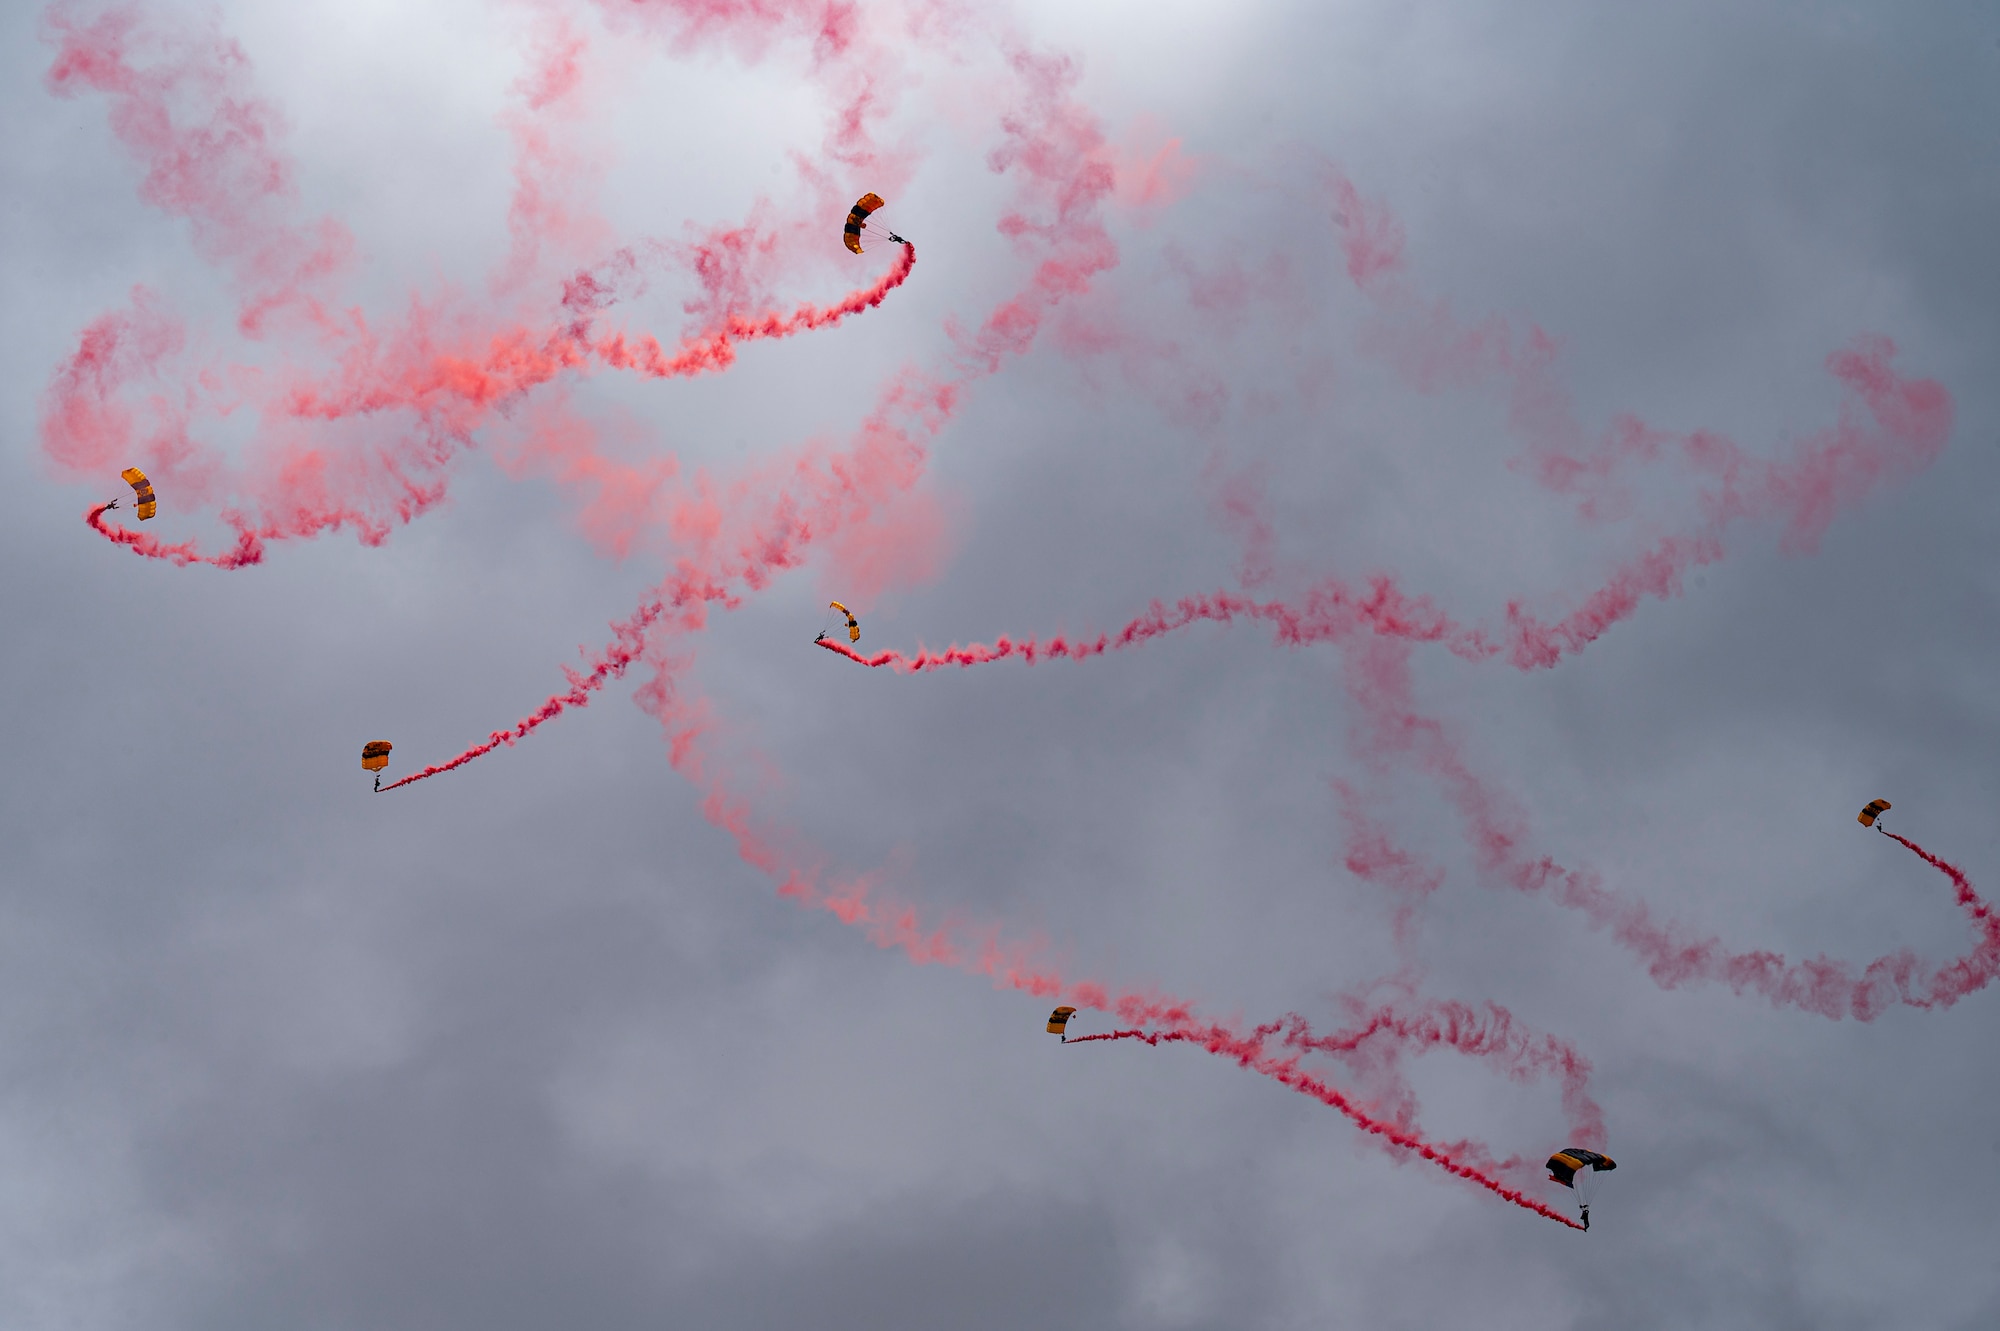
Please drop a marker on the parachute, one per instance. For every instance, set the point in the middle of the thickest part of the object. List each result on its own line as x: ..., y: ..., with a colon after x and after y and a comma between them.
x: 835, y: 611
x: 142, y: 490
x: 857, y: 222
x: 375, y: 757
x: 1059, y: 1019
x: 1577, y: 1169
x: 1875, y: 809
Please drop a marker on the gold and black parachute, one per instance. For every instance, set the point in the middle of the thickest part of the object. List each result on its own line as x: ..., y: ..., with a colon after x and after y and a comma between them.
x: 857, y: 222
x: 1875, y: 809
x: 1059, y: 1020
x: 375, y: 757
x: 835, y: 612
x: 142, y: 490
x: 1565, y: 1164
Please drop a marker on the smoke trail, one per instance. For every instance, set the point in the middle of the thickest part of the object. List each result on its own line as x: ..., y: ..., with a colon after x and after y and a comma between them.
x: 628, y: 644
x: 1329, y: 612
x: 717, y: 350
x: 249, y: 550
x: 1887, y: 424
x: 1249, y: 1051
x: 1390, y: 727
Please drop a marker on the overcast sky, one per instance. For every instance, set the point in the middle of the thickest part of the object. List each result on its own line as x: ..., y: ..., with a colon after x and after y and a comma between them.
x: 530, y: 1044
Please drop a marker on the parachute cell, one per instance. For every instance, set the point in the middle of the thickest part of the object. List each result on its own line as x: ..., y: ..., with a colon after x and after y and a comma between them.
x: 375, y: 755
x: 1059, y: 1021
x: 142, y: 490
x: 1874, y: 809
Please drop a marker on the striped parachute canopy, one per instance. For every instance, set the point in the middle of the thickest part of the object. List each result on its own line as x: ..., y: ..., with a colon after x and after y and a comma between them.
x: 142, y: 489
x: 1059, y: 1019
x: 1565, y: 1164
x: 375, y: 755
x: 858, y: 218
x: 1875, y: 809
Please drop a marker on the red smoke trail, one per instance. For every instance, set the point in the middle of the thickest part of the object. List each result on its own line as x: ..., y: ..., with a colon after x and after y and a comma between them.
x: 1390, y: 726
x: 717, y: 351
x: 1493, y: 1035
x: 627, y: 644
x: 1249, y: 1051
x: 1329, y: 612
x: 517, y: 361
x: 1887, y: 424
x: 249, y: 550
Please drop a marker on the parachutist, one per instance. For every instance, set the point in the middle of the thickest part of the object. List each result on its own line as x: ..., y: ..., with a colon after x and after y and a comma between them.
x: 820, y: 636
x: 108, y: 507
x: 378, y: 783
x: 1586, y: 1219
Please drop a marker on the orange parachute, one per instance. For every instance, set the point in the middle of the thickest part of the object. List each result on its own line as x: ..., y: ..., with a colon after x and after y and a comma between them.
x: 857, y: 222
x: 835, y: 612
x: 375, y: 757
x: 142, y: 490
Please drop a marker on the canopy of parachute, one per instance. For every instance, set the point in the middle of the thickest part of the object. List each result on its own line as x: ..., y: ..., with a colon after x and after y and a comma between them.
x: 1059, y: 1021
x: 375, y: 755
x: 853, y: 624
x: 857, y: 222
x: 1873, y: 810
x: 142, y: 490
x: 1565, y: 1164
